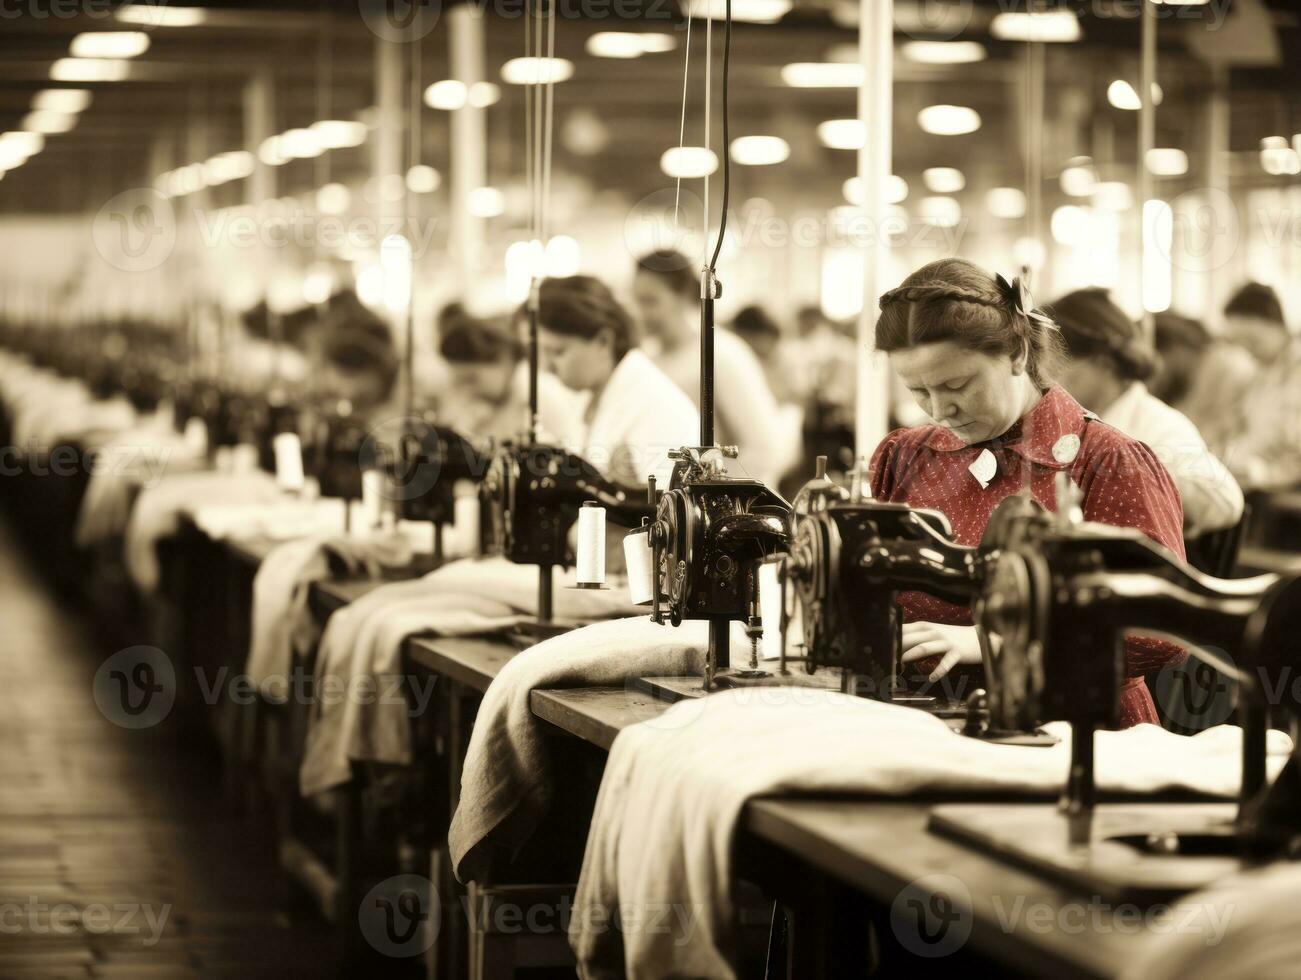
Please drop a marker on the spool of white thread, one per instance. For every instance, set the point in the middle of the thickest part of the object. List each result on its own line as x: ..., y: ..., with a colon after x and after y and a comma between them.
x: 289, y: 461
x: 591, y: 545
x: 639, y: 557
x: 243, y: 458
x: 770, y: 608
x: 196, y: 435
x: 465, y: 518
x: 372, y: 497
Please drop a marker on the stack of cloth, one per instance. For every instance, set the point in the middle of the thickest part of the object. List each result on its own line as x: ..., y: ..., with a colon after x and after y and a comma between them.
x: 360, y: 657
x: 675, y: 788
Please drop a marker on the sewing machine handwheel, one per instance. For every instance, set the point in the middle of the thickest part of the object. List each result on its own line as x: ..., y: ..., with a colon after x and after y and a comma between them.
x: 1014, y: 607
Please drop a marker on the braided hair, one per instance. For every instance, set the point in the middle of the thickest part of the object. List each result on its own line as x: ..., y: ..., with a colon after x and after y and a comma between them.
x: 956, y: 300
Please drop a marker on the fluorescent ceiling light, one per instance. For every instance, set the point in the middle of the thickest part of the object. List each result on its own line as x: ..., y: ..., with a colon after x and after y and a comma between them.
x: 536, y: 71
x: 333, y: 198
x: 896, y: 190
x: 483, y: 94
x: 615, y: 44
x: 760, y: 151
x: 944, y: 52
x: 448, y: 94
x: 223, y: 167
x: 1007, y: 203
x: 109, y: 44
x: 301, y: 144
x: 748, y: 11
x: 1047, y: 26
x: 1122, y: 95
x: 943, y: 180
x: 49, y: 122
x: 1113, y: 195
x: 61, y: 100
x: 485, y: 202
x: 336, y: 134
x: 89, y: 70
x: 155, y: 14
x: 948, y: 120
x: 688, y: 162
x: 1069, y: 224
x: 1079, y: 178
x: 1167, y: 161
x: 842, y: 134
x: 272, y: 152
x: 942, y: 212
x: 423, y: 179
x: 1278, y: 158
x: 823, y: 74
x: 655, y: 43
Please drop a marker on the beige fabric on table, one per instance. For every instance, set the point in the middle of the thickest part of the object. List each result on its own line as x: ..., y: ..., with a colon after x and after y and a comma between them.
x: 282, y: 624
x: 505, y: 782
x: 1247, y: 927
x: 158, y: 509
x: 673, y: 789
x: 360, y: 715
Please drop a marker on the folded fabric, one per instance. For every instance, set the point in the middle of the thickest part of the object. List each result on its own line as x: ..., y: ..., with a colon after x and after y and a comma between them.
x: 282, y: 624
x: 506, y: 779
x: 158, y: 509
x: 673, y: 789
x: 360, y: 715
x: 1245, y: 927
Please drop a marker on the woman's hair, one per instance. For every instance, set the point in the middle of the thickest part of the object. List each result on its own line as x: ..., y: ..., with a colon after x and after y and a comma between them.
x: 360, y: 344
x: 1093, y: 326
x: 466, y: 340
x: 1258, y: 300
x: 956, y: 300
x: 582, y: 306
x: 1175, y: 330
x: 674, y: 270
x: 754, y: 321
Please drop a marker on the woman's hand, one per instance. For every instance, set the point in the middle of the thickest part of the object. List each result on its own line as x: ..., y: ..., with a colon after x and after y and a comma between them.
x: 953, y: 644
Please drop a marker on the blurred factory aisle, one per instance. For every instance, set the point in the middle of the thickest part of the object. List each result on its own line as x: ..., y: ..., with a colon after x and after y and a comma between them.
x: 115, y: 859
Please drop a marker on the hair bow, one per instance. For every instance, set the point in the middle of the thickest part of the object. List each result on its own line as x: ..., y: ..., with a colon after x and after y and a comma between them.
x: 1017, y: 295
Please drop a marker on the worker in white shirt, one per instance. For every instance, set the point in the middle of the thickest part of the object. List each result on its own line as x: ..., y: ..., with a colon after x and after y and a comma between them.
x: 1107, y: 362
x: 633, y: 413
x: 667, y: 293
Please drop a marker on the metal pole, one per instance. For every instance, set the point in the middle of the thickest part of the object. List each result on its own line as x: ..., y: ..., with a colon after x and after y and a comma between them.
x: 875, y: 114
x: 1146, y: 140
x: 469, y: 156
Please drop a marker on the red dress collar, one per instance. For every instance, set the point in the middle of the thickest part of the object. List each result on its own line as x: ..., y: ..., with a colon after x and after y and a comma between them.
x: 1039, y: 436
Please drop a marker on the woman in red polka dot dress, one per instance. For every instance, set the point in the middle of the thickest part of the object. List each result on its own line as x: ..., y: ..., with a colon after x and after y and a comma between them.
x: 977, y: 358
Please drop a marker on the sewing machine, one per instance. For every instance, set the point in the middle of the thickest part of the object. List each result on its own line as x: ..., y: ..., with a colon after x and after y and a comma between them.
x: 850, y: 556
x: 1055, y: 604
x: 336, y: 450
x: 532, y: 494
x: 424, y: 469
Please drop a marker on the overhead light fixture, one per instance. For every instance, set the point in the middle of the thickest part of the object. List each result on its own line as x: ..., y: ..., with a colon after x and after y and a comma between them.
x: 536, y: 71
x: 333, y: 198
x: 423, y: 179
x: 1006, y: 203
x: 842, y: 134
x: 272, y: 152
x: 89, y: 70
x: 300, y: 144
x: 1079, y: 178
x: 449, y: 94
x: 49, y: 122
x: 109, y: 44
x: 155, y: 14
x: 1158, y: 241
x: 16, y: 147
x: 338, y: 134
x: 562, y: 257
x: 1048, y: 26
x: 944, y: 52
x: 485, y: 202
x: 941, y: 212
x: 943, y: 180
x: 656, y: 43
x: 1278, y: 158
x: 747, y: 11
x: 823, y: 74
x: 896, y: 190
x: 688, y: 162
x: 760, y: 151
x: 232, y: 165
x: 61, y: 100
x: 615, y: 44
x: 1112, y: 195
x: 948, y: 120
x: 1069, y: 224
x: 1123, y: 95
x: 483, y: 94
x: 1167, y: 161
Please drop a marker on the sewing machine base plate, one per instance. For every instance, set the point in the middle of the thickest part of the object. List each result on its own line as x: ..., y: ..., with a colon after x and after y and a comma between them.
x: 1127, y: 858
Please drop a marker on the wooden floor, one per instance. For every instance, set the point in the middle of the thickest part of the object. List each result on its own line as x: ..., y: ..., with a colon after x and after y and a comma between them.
x: 117, y: 859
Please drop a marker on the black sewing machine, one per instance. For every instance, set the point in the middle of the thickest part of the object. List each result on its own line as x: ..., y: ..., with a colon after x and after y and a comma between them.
x: 337, y: 449
x: 267, y: 418
x: 850, y: 556
x: 532, y: 494
x: 1056, y: 605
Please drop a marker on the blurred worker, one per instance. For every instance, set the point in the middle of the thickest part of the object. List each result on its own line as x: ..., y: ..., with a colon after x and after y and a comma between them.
x: 1181, y: 343
x: 488, y: 394
x: 633, y: 413
x: 352, y: 358
x: 1106, y: 364
x: 667, y: 292
x: 753, y: 325
x: 1247, y: 392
